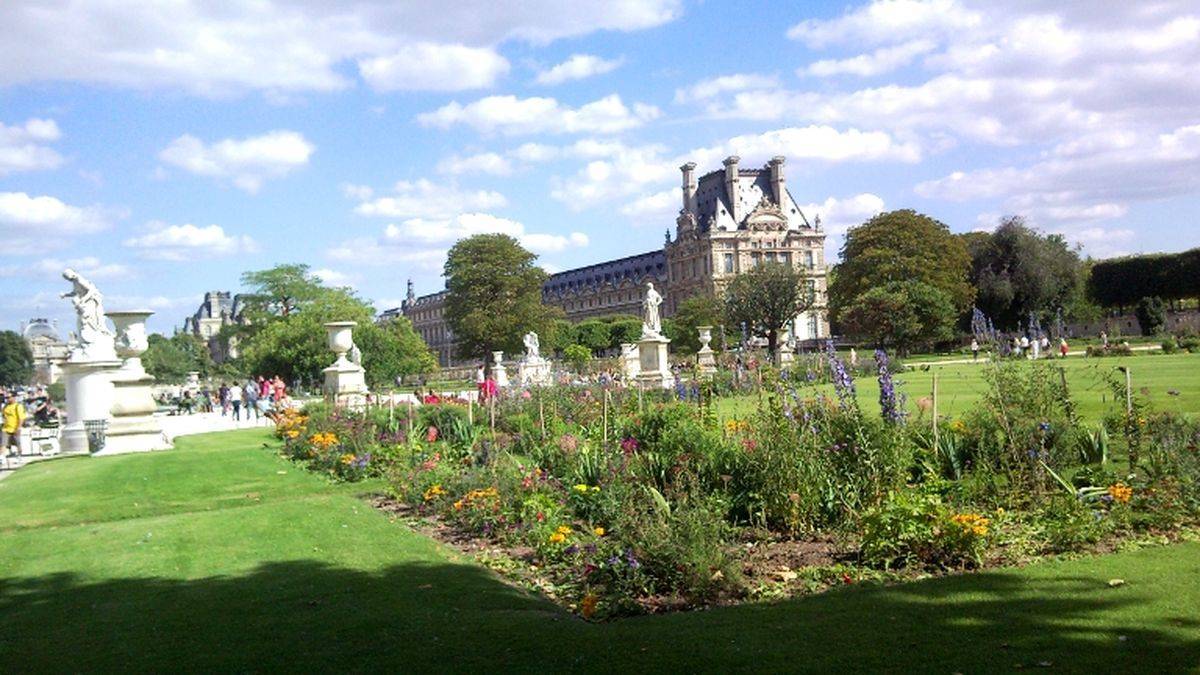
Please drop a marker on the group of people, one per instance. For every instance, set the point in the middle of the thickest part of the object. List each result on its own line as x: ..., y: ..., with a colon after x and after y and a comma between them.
x: 255, y: 398
x: 20, y: 408
x: 1022, y: 345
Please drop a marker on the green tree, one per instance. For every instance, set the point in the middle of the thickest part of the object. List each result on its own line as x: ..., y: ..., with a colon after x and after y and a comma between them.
x: 765, y: 299
x: 624, y: 329
x: 495, y: 294
x: 901, y: 314
x: 578, y: 356
x: 1017, y: 271
x: 16, y: 360
x: 279, y: 291
x: 902, y: 246
x: 170, y: 359
x: 696, y: 311
x: 593, y: 334
x: 393, y: 349
x: 1151, y: 315
x: 559, y: 335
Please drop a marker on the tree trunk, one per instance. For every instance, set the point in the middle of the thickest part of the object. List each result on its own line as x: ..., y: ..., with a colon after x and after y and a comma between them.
x: 772, y: 336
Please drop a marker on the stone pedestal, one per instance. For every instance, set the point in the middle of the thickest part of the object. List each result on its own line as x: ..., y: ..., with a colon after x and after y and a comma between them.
x: 630, y: 362
x: 133, y: 427
x: 535, y: 372
x: 499, y: 374
x: 784, y: 357
x: 345, y: 381
x: 706, y: 360
x: 89, y: 397
x: 193, y: 382
x: 654, y: 369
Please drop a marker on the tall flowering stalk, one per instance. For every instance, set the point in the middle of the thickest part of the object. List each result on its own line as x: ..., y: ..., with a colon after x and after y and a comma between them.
x: 891, y: 405
x: 843, y: 382
x: 982, y: 328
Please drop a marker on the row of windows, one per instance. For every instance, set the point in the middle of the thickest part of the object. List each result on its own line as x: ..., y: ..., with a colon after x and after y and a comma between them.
x: 757, y: 258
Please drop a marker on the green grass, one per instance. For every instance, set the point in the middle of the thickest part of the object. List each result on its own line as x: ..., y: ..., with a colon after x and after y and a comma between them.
x: 960, y: 386
x: 207, y: 558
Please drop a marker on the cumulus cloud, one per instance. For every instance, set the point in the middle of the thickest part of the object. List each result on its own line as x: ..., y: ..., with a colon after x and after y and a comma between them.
x: 425, y: 199
x: 275, y: 46
x: 426, y: 66
x: 887, y: 21
x: 578, y: 67
x: 882, y: 60
x: 29, y: 224
x: 188, y: 242
x: 247, y: 162
x: 715, y: 86
x: 485, y: 162
x: 335, y: 278
x: 838, y: 215
x: 89, y: 266
x: 512, y: 115
x: 23, y: 146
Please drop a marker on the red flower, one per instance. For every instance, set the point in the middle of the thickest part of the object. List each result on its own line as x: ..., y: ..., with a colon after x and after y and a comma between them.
x: 431, y: 435
x: 847, y: 579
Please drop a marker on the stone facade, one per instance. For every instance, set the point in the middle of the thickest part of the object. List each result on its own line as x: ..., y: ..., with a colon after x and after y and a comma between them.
x: 219, y: 309
x: 731, y: 220
x: 49, y: 351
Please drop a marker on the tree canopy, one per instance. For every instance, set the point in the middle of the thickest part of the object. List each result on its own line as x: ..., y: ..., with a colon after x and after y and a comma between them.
x: 901, y: 314
x: 16, y: 360
x: 1123, y: 282
x: 902, y: 246
x: 170, y: 359
x: 494, y: 295
x: 765, y: 299
x: 696, y: 311
x: 1018, y: 271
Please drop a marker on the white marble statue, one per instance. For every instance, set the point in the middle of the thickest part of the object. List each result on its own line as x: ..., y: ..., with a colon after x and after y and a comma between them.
x: 651, y: 320
x: 533, y: 348
x: 96, y: 341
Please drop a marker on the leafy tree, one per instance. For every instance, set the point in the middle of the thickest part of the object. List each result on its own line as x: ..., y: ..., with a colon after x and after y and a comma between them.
x: 1018, y: 271
x: 765, y: 299
x: 559, y: 335
x: 902, y: 246
x: 279, y: 291
x: 1122, y: 282
x: 16, y: 359
x: 577, y: 356
x: 170, y: 359
x: 294, y: 345
x: 901, y: 314
x: 696, y: 311
x: 1151, y: 315
x: 593, y: 334
x: 624, y: 330
x: 495, y: 294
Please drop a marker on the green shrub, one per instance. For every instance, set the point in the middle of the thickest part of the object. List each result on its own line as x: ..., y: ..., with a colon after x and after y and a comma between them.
x: 916, y: 528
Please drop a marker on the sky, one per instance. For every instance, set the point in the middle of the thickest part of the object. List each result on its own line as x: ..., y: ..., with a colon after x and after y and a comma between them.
x: 163, y: 148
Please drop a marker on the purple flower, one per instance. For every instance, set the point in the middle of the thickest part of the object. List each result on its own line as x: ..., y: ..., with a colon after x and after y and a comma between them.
x: 843, y: 383
x: 630, y: 560
x: 889, y: 406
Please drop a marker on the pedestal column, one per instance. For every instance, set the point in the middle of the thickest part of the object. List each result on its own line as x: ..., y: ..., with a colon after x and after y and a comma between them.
x: 345, y: 381
x: 89, y: 397
x: 134, y: 427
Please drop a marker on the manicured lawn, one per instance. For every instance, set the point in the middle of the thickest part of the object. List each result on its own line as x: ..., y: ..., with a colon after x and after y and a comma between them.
x: 960, y: 386
x: 208, y: 558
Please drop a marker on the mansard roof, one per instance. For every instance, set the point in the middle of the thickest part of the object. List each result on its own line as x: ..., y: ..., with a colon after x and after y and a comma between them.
x: 713, y: 207
x: 633, y: 268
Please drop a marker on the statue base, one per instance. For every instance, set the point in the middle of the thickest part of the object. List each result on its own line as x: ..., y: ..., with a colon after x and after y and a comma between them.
x: 536, y: 372
x: 499, y: 375
x: 346, y: 384
x: 654, y: 369
x: 89, y: 397
x: 134, y: 427
x: 706, y: 361
x: 784, y: 358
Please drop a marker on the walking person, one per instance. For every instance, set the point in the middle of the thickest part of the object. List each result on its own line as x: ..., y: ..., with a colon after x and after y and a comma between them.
x: 235, y: 400
x: 223, y: 399
x: 974, y: 350
x: 13, y: 416
x: 250, y: 400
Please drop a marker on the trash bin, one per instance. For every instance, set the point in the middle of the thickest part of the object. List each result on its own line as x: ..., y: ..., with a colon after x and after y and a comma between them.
x: 95, y: 434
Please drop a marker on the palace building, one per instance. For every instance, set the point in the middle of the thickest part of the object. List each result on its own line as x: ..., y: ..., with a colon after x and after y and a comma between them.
x: 730, y: 221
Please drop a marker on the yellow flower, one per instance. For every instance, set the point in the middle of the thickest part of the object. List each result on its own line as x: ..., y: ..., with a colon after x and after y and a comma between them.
x: 563, y: 529
x: 972, y: 523
x: 599, y: 531
x: 434, y: 492
x: 557, y: 538
x: 293, y: 433
x: 347, y: 458
x: 587, y: 606
x: 1120, y: 493
x: 580, y: 488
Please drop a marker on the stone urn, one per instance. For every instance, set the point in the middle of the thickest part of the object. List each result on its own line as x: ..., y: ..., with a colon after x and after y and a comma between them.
x: 341, y: 337
x: 134, y: 427
x: 131, y: 339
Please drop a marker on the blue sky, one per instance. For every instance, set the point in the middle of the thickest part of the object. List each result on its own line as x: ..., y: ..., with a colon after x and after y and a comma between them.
x: 163, y: 149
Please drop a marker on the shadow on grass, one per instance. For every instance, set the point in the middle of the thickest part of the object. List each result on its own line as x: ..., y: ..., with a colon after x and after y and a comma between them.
x: 309, y: 616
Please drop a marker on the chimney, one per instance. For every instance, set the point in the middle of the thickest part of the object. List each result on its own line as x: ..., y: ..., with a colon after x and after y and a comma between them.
x: 731, y: 186
x: 689, y: 187
x: 778, y: 183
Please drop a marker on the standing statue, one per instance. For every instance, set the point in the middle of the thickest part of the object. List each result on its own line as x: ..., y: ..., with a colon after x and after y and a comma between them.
x: 355, y: 354
x: 651, y: 320
x: 533, y: 348
x: 95, y: 339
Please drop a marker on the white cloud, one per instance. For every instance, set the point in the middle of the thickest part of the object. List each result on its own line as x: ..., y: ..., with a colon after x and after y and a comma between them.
x: 839, y: 215
x: 188, y: 242
x: 486, y: 162
x: 275, y: 46
x: 885, y: 21
x: 882, y: 60
x: 658, y: 208
x: 423, y: 242
x: 535, y: 152
x: 578, y: 67
x: 426, y: 66
x: 335, y: 278
x: 512, y: 115
x: 424, y: 198
x: 712, y: 87
x: 30, y: 224
x: 22, y: 146
x: 89, y: 266
x: 246, y: 162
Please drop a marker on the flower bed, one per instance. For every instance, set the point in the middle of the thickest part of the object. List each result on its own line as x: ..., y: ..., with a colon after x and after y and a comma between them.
x: 619, y: 502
